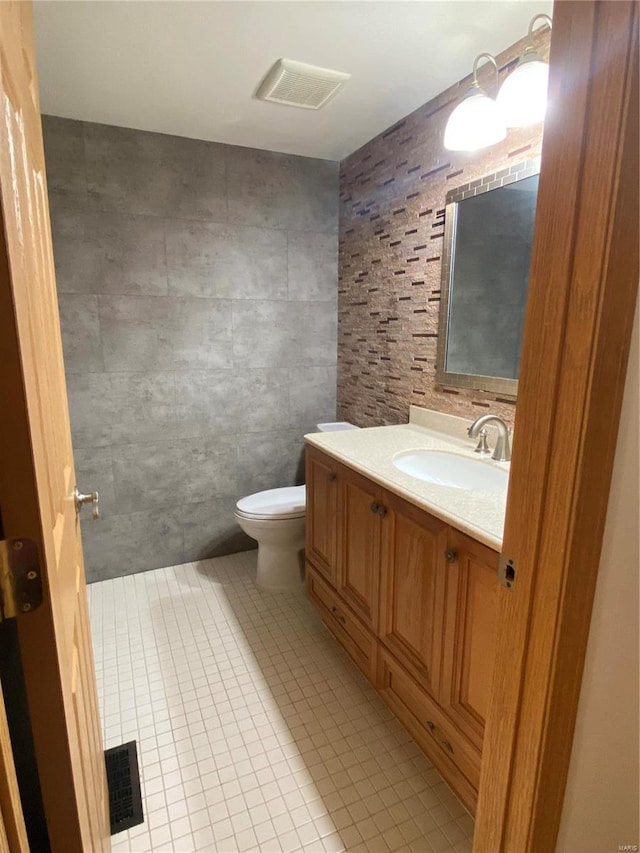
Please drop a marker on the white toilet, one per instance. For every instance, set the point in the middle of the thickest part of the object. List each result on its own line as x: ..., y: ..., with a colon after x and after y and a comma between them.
x: 275, y: 519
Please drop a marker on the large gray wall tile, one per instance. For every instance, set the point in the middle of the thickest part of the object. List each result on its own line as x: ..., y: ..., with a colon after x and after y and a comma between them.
x: 148, y: 332
x: 209, y: 259
x: 103, y: 252
x: 152, y: 173
x: 313, y: 266
x: 124, y: 169
x: 80, y: 328
x: 281, y: 190
x: 147, y: 476
x: 208, y: 469
x: 227, y: 401
x: 64, y: 155
x: 135, y: 332
x: 90, y: 409
x: 210, y: 530
x: 198, y: 186
x: 145, y: 408
x: 133, y: 542
x: 284, y: 333
x: 312, y: 395
x: 261, y: 335
x: 313, y: 331
x: 201, y: 333
x: 268, y: 458
x: 199, y: 330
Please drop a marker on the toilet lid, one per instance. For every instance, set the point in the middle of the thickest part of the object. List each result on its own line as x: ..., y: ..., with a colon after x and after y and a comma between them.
x: 289, y: 501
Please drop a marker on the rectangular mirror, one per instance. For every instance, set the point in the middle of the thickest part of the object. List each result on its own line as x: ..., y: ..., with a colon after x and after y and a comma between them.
x: 485, y: 273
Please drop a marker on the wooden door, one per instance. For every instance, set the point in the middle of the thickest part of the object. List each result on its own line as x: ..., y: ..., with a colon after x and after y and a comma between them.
x: 471, y: 617
x: 13, y: 834
x: 321, y: 521
x: 360, y: 513
x: 36, y: 467
x: 412, y: 589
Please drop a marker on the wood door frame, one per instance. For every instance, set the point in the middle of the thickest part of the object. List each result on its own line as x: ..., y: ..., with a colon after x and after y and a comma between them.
x: 582, y: 295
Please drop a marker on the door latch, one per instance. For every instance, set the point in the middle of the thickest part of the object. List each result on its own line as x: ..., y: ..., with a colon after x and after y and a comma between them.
x: 507, y: 571
x: 20, y: 577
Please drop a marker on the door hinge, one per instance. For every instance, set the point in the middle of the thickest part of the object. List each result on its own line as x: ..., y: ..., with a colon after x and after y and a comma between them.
x: 507, y: 571
x: 20, y: 577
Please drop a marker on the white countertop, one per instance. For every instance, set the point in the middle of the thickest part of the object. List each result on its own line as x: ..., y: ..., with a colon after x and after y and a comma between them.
x: 371, y: 451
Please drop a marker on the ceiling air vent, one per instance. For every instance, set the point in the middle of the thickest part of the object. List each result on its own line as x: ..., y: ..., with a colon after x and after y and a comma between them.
x: 300, y: 85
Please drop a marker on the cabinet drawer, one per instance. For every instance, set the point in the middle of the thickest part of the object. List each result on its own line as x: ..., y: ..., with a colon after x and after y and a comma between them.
x: 455, y: 758
x: 344, y: 626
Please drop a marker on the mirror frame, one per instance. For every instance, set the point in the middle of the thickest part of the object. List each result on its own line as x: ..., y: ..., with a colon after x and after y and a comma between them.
x: 496, y: 180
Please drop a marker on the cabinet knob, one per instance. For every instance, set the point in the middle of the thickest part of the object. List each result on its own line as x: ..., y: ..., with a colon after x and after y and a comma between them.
x: 450, y: 556
x: 332, y: 476
x: 375, y: 507
x: 382, y: 511
x: 447, y: 745
x: 431, y: 725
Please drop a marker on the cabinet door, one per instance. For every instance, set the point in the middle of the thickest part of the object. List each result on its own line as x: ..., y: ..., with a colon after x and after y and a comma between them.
x: 359, y: 543
x: 472, y: 592
x: 321, y: 521
x: 412, y: 589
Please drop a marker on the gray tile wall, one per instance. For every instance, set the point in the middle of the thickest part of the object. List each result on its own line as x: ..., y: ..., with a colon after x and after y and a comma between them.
x: 197, y: 286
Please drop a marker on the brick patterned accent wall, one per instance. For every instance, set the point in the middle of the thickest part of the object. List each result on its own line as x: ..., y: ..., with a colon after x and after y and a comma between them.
x: 392, y: 200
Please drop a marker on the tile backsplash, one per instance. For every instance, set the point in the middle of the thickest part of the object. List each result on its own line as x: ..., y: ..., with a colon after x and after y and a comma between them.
x: 197, y: 294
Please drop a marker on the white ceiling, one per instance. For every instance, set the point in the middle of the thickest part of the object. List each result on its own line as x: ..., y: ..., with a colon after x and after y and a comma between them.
x: 190, y: 68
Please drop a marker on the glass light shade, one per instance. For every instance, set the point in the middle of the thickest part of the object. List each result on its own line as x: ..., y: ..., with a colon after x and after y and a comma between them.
x: 475, y: 123
x: 522, y: 98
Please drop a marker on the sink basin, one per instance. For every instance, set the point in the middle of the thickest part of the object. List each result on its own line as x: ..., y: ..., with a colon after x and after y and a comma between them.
x: 453, y: 470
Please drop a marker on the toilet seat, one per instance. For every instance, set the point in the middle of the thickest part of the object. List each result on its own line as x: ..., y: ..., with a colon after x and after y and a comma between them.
x: 288, y: 502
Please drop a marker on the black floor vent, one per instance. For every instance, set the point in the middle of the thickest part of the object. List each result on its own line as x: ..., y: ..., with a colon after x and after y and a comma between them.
x: 123, y: 779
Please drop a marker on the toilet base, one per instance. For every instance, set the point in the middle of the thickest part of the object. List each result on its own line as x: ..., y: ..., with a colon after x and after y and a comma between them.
x: 280, y: 551
x: 280, y: 569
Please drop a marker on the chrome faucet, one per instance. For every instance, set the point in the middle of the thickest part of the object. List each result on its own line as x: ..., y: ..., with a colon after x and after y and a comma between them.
x: 502, y: 450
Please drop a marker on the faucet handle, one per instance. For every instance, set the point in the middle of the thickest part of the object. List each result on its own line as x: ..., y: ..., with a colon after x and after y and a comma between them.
x: 482, y: 447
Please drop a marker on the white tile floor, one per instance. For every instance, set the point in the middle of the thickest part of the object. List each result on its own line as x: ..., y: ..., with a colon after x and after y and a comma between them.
x: 255, y: 731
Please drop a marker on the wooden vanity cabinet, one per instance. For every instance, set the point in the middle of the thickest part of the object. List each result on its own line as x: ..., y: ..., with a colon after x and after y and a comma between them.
x: 414, y: 602
x: 321, y: 545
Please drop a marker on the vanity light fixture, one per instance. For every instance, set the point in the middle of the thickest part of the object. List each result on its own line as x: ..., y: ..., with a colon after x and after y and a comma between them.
x: 476, y: 122
x: 522, y: 98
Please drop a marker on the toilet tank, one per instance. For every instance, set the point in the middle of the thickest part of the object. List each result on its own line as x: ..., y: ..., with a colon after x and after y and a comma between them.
x: 336, y: 426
